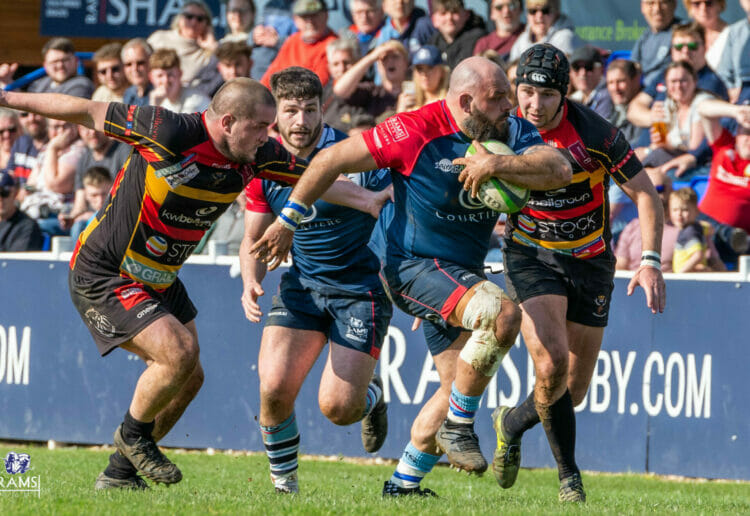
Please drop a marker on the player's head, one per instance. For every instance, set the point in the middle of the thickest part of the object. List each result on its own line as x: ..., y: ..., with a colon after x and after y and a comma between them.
x: 683, y: 207
x: 239, y: 116
x: 478, y: 99
x: 542, y: 80
x: 298, y: 93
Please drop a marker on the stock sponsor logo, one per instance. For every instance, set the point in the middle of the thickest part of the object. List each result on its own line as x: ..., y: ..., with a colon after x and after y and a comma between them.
x: 147, y: 274
x: 569, y: 229
x: 180, y: 219
x: 446, y: 165
x: 156, y: 245
x: 396, y: 128
x: 179, y: 252
x: 182, y: 177
x: 100, y: 323
x: 130, y: 296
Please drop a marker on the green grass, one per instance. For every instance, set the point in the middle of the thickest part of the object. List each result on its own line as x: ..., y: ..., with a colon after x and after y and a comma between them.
x: 239, y: 484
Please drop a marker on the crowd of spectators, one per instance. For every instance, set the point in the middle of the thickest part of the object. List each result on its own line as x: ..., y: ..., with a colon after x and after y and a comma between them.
x: 677, y: 97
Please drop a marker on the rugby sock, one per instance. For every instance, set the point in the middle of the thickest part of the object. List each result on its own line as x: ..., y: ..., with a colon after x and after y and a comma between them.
x: 521, y: 418
x: 559, y: 424
x: 374, y: 393
x: 120, y: 467
x: 462, y: 408
x: 412, y: 467
x: 132, y: 429
x: 282, y: 446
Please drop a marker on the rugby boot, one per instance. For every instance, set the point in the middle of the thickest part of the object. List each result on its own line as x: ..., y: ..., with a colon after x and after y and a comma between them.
x: 145, y: 455
x: 375, y: 424
x: 395, y: 490
x: 286, y: 484
x: 461, y: 445
x: 571, y: 489
x: 508, y: 452
x: 105, y: 482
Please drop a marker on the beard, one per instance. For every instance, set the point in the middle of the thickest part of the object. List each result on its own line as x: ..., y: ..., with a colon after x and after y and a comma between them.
x: 310, y: 140
x: 480, y: 127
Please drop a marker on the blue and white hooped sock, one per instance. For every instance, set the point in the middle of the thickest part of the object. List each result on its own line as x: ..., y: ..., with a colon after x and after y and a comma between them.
x: 462, y: 408
x: 412, y: 467
x: 282, y: 446
x: 374, y: 393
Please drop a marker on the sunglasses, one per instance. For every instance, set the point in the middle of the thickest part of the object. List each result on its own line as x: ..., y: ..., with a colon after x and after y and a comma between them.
x: 511, y: 6
x: 10, y: 130
x: 197, y: 17
x: 589, y: 67
x: 5, y: 192
x: 693, y: 46
x: 533, y: 10
x: 697, y: 3
x: 112, y: 69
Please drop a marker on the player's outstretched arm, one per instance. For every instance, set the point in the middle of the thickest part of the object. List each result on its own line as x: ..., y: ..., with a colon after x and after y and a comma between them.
x: 345, y: 192
x: 253, y: 270
x: 348, y: 156
x: 651, y: 217
x: 541, y: 167
x: 59, y: 106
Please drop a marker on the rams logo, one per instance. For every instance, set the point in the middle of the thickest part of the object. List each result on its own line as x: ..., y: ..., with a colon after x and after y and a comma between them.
x: 156, y: 245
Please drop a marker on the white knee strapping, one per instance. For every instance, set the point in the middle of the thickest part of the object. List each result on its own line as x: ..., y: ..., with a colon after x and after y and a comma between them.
x: 482, y: 351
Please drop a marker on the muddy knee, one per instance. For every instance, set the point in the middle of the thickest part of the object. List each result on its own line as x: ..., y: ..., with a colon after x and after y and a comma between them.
x: 483, y: 351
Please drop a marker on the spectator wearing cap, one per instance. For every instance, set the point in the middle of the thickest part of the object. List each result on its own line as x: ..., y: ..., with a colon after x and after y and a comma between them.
x: 307, y: 47
x: 651, y: 50
x: 506, y: 14
x: 368, y: 19
x: 587, y: 77
x: 135, y: 54
x: 431, y: 76
x: 545, y: 23
x: 408, y: 24
x: 458, y: 30
x: 192, y: 37
x: 18, y: 231
x: 60, y: 63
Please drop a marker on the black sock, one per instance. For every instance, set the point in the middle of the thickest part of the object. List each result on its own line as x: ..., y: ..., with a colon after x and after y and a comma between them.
x: 560, y: 426
x: 521, y: 418
x: 119, y: 467
x: 132, y: 429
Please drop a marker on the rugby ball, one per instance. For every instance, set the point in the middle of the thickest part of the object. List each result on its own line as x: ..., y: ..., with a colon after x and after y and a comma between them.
x: 496, y: 194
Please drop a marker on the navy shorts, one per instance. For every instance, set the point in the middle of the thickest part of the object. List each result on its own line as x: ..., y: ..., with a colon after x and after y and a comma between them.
x: 430, y: 289
x: 355, y: 320
x: 587, y: 284
x: 116, y: 309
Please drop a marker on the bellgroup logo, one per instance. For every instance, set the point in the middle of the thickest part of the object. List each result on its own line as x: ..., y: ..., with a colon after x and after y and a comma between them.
x: 18, y: 476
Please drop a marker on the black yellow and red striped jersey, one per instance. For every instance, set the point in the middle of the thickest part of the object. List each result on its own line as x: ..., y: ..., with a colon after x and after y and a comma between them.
x: 574, y: 220
x: 169, y: 192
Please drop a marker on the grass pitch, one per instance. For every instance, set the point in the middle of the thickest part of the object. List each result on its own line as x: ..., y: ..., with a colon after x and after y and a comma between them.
x: 237, y: 483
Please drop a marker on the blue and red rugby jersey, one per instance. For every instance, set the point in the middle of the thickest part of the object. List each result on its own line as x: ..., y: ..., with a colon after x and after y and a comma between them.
x: 433, y: 217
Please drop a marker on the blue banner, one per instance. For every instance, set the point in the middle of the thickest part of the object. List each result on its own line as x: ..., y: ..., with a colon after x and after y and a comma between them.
x: 667, y: 395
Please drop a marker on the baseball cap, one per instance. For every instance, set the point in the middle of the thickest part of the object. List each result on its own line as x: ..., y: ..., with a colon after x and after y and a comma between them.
x: 428, y: 55
x: 303, y: 7
x: 585, y: 54
x: 6, y: 179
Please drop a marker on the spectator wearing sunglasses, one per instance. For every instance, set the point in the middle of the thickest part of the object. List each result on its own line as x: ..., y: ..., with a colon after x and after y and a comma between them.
x: 587, y: 77
x: 135, y: 55
x: 707, y: 13
x: 192, y: 36
x: 651, y: 50
x: 18, y: 231
x: 110, y: 73
x: 546, y: 24
x: 506, y: 15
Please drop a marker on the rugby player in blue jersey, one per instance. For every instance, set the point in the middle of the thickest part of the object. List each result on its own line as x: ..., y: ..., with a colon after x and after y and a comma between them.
x: 559, y: 263
x: 436, y: 242
x: 331, y: 292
